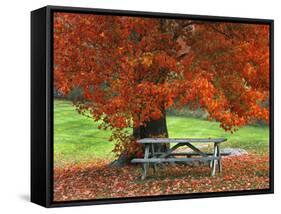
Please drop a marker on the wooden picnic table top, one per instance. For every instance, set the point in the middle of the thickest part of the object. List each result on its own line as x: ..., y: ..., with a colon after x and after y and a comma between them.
x: 181, y: 140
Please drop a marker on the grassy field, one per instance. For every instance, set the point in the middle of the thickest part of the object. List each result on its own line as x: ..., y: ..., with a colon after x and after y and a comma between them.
x: 78, y: 139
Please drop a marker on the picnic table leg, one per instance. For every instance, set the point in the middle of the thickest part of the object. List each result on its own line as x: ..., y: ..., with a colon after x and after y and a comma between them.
x: 145, y: 165
x: 219, y: 156
x: 158, y: 150
x: 211, y: 164
x: 214, y: 162
x: 154, y: 165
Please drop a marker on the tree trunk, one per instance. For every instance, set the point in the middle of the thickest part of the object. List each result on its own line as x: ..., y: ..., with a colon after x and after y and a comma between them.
x: 153, y: 128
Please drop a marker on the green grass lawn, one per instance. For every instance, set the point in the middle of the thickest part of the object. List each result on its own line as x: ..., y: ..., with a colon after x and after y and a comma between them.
x: 77, y: 138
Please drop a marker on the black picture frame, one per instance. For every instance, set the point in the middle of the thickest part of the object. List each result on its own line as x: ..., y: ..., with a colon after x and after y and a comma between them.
x: 42, y: 105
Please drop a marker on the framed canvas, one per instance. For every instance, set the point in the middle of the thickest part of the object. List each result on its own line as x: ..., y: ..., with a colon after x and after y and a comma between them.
x: 131, y: 106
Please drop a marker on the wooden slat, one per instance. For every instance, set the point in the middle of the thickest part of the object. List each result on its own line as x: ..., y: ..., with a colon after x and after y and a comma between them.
x: 181, y: 140
x: 196, y: 149
x: 164, y: 155
x: 167, y: 160
x: 195, y: 154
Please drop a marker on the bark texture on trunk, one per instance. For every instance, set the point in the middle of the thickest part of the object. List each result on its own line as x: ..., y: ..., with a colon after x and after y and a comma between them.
x: 153, y: 128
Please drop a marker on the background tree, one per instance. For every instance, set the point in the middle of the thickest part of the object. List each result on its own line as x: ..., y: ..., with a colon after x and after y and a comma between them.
x: 131, y: 69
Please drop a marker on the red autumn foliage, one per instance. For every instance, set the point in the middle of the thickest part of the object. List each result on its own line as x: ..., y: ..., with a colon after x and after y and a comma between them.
x: 97, y: 180
x: 130, y: 67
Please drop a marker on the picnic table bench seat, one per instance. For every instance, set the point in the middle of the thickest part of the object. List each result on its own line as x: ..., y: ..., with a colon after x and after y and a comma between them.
x: 153, y: 157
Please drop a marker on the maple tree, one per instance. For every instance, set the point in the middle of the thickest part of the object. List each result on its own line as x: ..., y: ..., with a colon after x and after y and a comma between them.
x: 131, y: 69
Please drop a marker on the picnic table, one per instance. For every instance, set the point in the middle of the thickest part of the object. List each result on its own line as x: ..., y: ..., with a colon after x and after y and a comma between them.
x: 153, y: 156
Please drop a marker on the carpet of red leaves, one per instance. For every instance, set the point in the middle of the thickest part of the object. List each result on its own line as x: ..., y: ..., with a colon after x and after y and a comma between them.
x: 97, y: 180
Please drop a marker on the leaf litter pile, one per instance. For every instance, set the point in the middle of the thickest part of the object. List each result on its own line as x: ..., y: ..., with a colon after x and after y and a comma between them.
x: 97, y: 180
